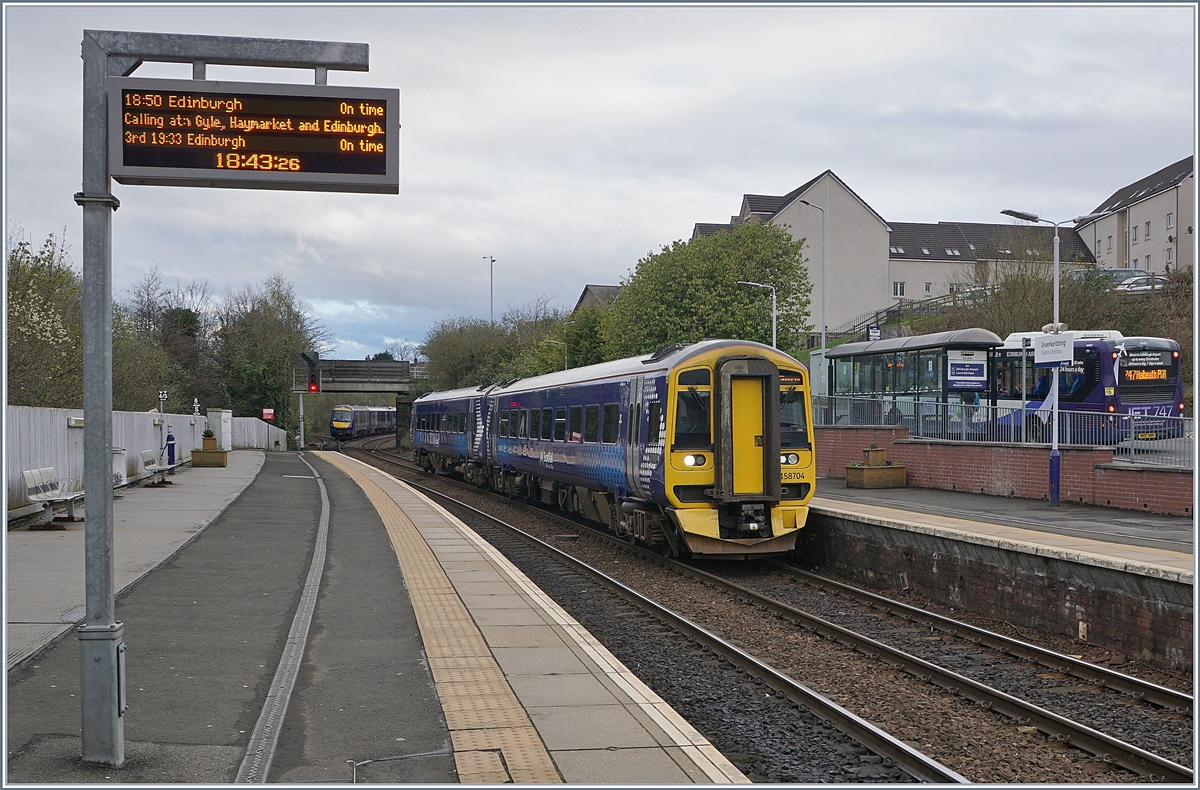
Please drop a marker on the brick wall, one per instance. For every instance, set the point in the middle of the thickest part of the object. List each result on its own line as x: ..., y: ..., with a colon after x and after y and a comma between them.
x: 1087, y: 475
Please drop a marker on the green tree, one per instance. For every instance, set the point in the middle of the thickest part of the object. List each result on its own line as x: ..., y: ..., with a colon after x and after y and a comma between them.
x: 261, y: 333
x: 583, y: 335
x: 45, y: 324
x: 689, y: 291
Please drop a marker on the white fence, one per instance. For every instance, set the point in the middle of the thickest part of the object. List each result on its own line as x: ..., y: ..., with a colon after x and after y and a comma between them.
x: 37, y: 438
x: 251, y: 432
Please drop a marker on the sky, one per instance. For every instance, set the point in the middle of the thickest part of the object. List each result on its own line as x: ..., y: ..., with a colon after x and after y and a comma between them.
x: 569, y: 141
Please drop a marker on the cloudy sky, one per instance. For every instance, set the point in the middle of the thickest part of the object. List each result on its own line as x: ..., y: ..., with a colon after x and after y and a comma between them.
x: 568, y: 142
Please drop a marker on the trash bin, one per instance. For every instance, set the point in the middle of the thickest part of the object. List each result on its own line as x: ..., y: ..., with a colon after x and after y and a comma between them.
x: 118, y: 466
x: 171, y: 452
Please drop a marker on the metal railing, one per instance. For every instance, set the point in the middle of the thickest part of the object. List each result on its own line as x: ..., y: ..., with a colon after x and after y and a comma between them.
x: 1141, y: 439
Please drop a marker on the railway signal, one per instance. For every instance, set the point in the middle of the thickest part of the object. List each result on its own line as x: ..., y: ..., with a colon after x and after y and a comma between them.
x: 314, y: 381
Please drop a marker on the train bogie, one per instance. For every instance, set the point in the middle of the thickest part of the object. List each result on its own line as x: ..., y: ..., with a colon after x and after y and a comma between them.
x: 699, y: 450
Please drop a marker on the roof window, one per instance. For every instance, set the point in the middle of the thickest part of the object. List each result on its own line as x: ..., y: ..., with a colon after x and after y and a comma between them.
x: 952, y: 252
x: 925, y: 250
x: 896, y: 250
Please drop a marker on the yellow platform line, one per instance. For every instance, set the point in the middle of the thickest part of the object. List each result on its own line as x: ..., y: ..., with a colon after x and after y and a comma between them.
x: 493, y: 739
x: 703, y: 754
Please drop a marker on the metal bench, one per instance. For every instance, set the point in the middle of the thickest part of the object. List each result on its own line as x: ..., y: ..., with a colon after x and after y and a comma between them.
x: 44, y: 486
x: 159, y: 471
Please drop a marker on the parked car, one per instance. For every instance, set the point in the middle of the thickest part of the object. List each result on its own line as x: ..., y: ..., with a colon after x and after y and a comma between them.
x: 1144, y: 284
x: 1108, y: 277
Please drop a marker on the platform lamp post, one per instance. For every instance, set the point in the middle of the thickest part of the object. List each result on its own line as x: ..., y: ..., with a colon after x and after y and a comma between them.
x: 1053, y: 328
x: 564, y: 345
x: 491, y: 288
x: 773, y: 314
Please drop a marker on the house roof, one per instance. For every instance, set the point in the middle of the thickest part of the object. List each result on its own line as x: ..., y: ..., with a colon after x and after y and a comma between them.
x: 973, y: 241
x: 597, y: 295
x: 1169, y: 176
x: 709, y: 228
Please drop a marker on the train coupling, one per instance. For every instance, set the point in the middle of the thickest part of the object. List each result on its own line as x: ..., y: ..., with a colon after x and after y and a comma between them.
x: 745, y: 521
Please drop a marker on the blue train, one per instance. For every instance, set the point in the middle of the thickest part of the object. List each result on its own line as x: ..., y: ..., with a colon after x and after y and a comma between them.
x: 347, y: 422
x: 701, y: 449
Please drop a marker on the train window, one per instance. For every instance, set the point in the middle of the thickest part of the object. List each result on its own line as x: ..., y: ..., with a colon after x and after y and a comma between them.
x: 535, y: 423
x: 444, y: 422
x: 560, y: 424
x: 591, y: 424
x: 612, y: 422
x: 694, y: 377
x: 523, y: 424
x: 635, y: 414
x: 793, y: 426
x: 693, y: 428
x: 547, y: 424
x: 503, y: 424
x: 462, y: 416
x: 653, y: 426
x: 575, y: 429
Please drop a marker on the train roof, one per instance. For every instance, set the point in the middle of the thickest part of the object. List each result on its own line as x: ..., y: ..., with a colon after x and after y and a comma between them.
x: 663, y: 359
x: 964, y: 338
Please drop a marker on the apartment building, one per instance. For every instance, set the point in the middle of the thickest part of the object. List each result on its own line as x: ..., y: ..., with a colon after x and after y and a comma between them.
x: 1146, y: 224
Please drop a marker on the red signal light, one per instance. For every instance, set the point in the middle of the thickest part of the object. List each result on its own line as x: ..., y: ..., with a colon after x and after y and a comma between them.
x: 314, y: 382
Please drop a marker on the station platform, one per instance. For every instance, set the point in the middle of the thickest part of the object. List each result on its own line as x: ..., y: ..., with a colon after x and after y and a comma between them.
x: 1141, y: 543
x: 430, y: 658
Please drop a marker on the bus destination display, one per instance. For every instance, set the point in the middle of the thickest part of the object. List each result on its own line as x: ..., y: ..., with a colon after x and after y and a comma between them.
x: 252, y: 135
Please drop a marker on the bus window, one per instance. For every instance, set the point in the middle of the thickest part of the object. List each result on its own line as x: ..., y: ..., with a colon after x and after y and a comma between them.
x: 793, y: 427
x: 1077, y: 381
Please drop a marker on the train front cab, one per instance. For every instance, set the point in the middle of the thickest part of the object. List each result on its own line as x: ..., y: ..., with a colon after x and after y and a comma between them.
x: 740, y: 477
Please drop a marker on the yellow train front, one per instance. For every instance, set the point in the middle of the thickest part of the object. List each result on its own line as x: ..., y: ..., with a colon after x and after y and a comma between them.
x: 738, y: 470
x: 700, y: 449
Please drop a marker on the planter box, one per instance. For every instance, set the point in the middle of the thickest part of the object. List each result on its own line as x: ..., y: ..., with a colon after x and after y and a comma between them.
x: 872, y: 476
x: 210, y: 442
x: 210, y: 458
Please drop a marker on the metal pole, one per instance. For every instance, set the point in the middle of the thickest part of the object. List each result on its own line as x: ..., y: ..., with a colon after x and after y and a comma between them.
x: 1055, y: 459
x: 1024, y: 383
x: 301, y: 420
x: 773, y: 319
x: 491, y: 288
x: 100, y: 637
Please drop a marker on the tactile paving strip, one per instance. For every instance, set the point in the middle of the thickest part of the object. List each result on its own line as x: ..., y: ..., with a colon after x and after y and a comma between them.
x: 493, y: 738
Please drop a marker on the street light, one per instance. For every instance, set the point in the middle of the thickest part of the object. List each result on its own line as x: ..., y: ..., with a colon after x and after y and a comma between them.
x: 491, y: 288
x: 564, y: 345
x: 824, y: 286
x: 773, y: 315
x: 1053, y: 328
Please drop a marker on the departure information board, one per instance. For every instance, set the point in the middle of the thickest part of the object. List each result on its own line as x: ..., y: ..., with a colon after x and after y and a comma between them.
x: 254, y: 135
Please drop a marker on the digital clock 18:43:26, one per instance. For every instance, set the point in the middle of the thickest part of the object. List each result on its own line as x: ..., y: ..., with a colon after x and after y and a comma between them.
x: 257, y: 162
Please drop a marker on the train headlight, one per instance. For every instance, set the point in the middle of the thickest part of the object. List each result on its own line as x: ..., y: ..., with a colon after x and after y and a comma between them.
x: 694, y: 460
x: 789, y: 458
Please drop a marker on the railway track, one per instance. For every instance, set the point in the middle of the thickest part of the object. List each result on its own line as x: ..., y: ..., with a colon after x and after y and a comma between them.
x: 1132, y: 694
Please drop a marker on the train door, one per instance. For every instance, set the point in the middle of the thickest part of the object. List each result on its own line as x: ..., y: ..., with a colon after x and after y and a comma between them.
x: 747, y: 446
x: 633, y: 437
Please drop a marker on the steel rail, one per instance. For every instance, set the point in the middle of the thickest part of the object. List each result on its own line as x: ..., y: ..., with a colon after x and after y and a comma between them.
x: 1163, y: 696
x: 903, y: 756
x: 1128, y: 756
